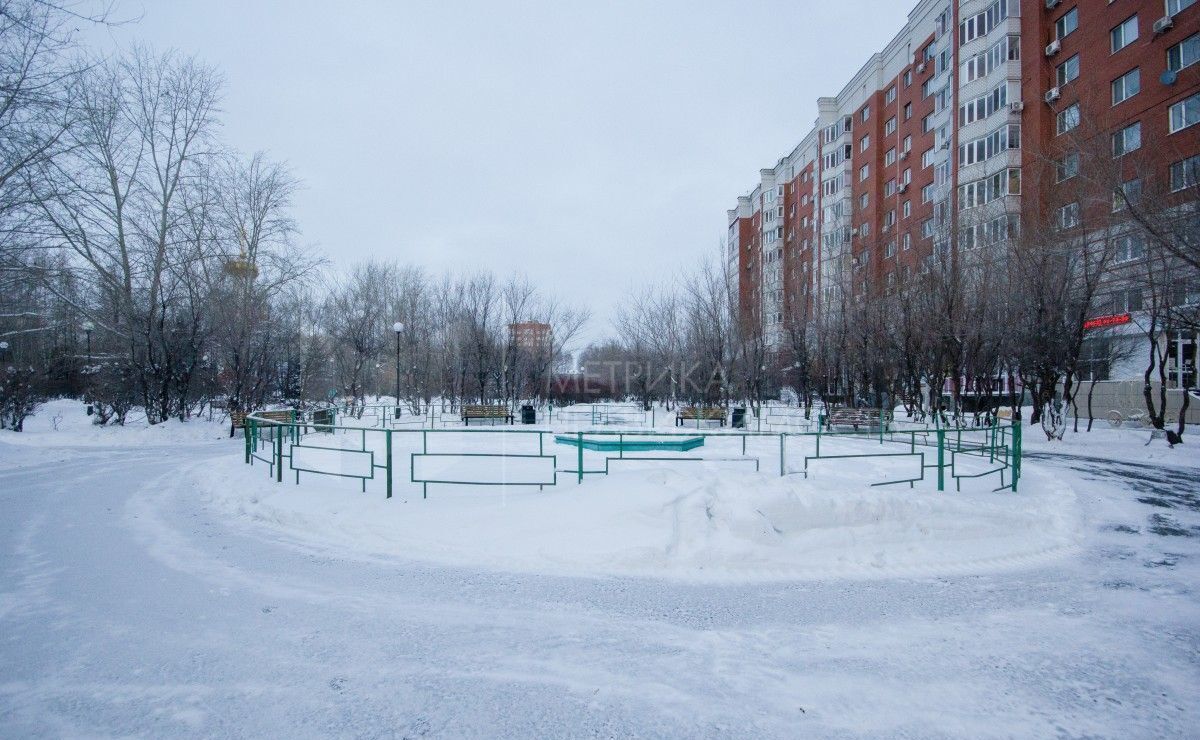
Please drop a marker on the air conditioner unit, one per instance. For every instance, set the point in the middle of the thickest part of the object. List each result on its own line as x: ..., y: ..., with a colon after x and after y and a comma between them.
x: 1162, y: 24
x: 1052, y: 4
x: 903, y: 188
x: 921, y: 67
x: 1053, y: 94
x: 1054, y: 47
x: 946, y: 144
x: 1016, y: 107
x: 904, y: 156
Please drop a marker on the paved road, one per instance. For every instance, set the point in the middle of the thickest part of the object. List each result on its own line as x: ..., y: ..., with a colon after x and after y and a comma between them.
x: 129, y: 607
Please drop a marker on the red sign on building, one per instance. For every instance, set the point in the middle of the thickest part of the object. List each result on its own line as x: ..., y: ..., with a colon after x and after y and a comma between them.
x: 1103, y: 322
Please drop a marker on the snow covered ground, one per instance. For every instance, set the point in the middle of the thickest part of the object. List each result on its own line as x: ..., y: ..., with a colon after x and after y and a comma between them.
x: 154, y: 585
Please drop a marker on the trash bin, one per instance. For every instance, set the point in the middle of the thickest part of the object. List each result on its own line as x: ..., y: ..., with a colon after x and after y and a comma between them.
x: 528, y: 415
x: 739, y: 418
x: 399, y: 412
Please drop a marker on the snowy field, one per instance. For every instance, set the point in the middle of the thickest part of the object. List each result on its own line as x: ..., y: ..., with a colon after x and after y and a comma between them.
x: 154, y: 585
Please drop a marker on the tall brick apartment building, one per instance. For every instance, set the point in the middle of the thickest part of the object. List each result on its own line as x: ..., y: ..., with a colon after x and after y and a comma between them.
x: 951, y: 119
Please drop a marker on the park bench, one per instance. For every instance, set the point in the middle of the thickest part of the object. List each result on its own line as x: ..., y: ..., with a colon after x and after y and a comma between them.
x: 486, y: 412
x: 848, y: 417
x: 238, y: 418
x: 696, y: 413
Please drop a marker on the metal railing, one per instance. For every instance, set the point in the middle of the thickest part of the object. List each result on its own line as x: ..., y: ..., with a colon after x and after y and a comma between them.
x: 312, y: 443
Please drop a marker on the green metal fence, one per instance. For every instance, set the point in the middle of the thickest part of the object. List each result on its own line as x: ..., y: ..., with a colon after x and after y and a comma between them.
x: 305, y: 444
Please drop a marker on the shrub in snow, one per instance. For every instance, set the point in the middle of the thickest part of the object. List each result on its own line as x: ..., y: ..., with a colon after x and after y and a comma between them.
x: 19, y: 396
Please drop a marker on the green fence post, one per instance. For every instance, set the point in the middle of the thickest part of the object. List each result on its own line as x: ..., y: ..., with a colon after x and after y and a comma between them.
x: 388, y: 439
x: 579, y: 459
x: 278, y: 455
x: 1016, y: 459
x: 782, y: 454
x: 941, y: 438
x: 246, y: 435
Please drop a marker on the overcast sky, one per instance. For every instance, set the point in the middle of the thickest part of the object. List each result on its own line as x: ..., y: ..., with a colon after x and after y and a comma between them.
x: 595, y: 146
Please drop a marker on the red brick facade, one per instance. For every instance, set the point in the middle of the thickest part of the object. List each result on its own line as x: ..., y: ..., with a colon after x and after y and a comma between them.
x: 888, y: 208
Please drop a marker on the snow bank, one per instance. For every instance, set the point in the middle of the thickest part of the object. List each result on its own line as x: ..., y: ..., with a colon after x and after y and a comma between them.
x: 64, y: 422
x: 718, y: 525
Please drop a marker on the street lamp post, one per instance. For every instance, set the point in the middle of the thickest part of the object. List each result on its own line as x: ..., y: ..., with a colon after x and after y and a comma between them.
x: 88, y: 327
x: 398, y: 327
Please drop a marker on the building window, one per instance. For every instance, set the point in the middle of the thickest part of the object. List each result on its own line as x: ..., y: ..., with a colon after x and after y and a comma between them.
x: 1124, y: 301
x: 906, y: 208
x: 890, y: 95
x: 889, y: 188
x: 1126, y: 86
x: 988, y: 189
x: 1124, y: 34
x: 907, y: 145
x: 927, y: 228
x: 1185, y: 113
x: 927, y: 194
x: 907, y: 242
x: 1066, y: 24
x: 1129, y: 192
x: 979, y: 150
x: 1130, y: 247
x: 1067, y: 217
x: 1184, y: 54
x: 982, y: 23
x: 984, y: 105
x: 1185, y: 174
x: 1068, y: 71
x: 889, y: 128
x: 1127, y: 140
x: 927, y: 158
x: 890, y: 157
x: 864, y: 143
x: 864, y: 200
x: 866, y: 112
x: 1174, y: 6
x: 907, y: 111
x: 864, y: 172
x: 1067, y: 167
x: 1068, y: 118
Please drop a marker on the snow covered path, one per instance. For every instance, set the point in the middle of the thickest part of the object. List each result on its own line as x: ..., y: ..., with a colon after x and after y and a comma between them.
x: 129, y: 606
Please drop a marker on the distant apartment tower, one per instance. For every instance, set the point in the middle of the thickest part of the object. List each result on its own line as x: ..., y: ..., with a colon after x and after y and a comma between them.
x: 532, y: 337
x: 935, y: 132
